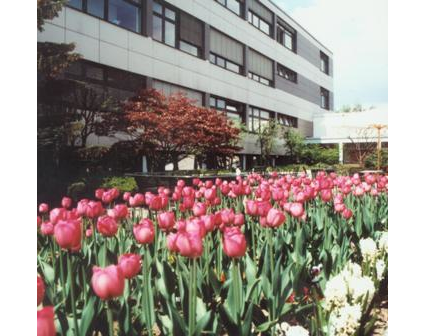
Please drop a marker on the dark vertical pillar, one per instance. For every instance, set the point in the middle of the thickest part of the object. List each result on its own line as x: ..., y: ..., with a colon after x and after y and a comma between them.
x: 148, y: 18
x: 206, y: 97
x: 274, y: 26
x: 206, y: 41
x: 246, y: 60
x: 149, y: 82
x: 245, y: 9
x: 246, y: 115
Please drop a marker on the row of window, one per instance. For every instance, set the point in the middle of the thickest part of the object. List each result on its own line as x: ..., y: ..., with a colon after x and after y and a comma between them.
x: 180, y: 30
x: 233, y: 5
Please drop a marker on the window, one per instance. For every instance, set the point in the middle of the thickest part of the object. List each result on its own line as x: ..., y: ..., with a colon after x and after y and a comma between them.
x: 325, y: 99
x: 226, y: 52
x: 324, y: 63
x: 96, y: 8
x: 164, y: 24
x: 190, y: 34
x: 258, y: 119
x: 259, y: 23
x: 232, y: 110
x: 189, y: 48
x: 286, y: 35
x: 94, y: 72
x: 223, y: 63
x: 75, y: 3
x: 125, y: 14
x: 286, y: 120
x: 232, y: 5
x: 260, y: 68
x: 287, y: 73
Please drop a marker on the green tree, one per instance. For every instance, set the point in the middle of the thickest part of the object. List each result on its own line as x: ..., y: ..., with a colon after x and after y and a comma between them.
x: 267, y: 137
x: 294, y: 143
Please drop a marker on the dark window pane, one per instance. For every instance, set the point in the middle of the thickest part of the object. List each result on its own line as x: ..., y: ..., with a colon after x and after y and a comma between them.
x: 75, y: 69
x: 170, y: 14
x: 212, y: 58
x: 157, y: 28
x: 75, y: 3
x: 124, y: 14
x: 170, y: 33
x: 157, y: 8
x: 96, y: 8
x: 93, y: 72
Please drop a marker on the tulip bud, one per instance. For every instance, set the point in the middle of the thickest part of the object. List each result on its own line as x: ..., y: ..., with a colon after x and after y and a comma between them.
x: 107, y: 226
x: 45, y: 322
x: 66, y: 202
x: 234, y: 242
x: 199, y: 209
x: 43, y: 208
x: 275, y: 218
x: 40, y: 290
x: 166, y: 220
x: 47, y: 228
x: 296, y: 209
x: 108, y: 282
x: 130, y: 264
x: 144, y: 231
x: 68, y: 234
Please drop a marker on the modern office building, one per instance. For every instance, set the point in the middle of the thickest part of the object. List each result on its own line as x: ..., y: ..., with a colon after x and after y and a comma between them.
x: 247, y: 58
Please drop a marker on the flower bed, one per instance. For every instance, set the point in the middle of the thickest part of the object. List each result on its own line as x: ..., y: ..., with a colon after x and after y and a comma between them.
x: 280, y: 255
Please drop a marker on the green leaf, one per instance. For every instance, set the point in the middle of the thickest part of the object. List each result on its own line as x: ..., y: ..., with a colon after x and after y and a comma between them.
x: 87, y: 315
x: 48, y: 272
x: 202, y: 323
x: 265, y: 326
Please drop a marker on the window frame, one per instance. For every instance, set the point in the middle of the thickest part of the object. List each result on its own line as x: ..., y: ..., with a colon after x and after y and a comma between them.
x: 224, y: 3
x: 140, y: 5
x: 325, y: 94
x: 284, y: 29
x: 165, y: 19
x: 215, y: 62
x: 260, y: 79
x: 227, y: 102
x: 251, y: 16
x: 291, y: 121
x: 282, y: 68
x: 324, y: 59
x: 251, y: 117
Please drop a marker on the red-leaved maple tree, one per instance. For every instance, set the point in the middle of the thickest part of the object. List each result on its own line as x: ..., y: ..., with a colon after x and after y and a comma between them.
x: 169, y: 128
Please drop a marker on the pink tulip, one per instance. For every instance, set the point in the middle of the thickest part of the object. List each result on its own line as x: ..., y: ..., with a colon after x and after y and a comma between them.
x: 40, y: 290
x: 234, y: 242
x: 166, y: 220
x: 45, y: 322
x: 187, y: 244
x: 107, y: 226
x: 130, y: 264
x: 239, y: 219
x: 275, y: 218
x: 66, y: 202
x: 171, y: 242
x: 347, y: 213
x: 155, y: 203
x: 210, y: 194
x: 209, y: 221
x: 56, y: 215
x: 99, y: 193
x: 120, y: 211
x: 43, y: 208
x: 144, y: 231
x: 251, y: 208
x: 126, y: 196
x: 136, y: 200
x: 227, y: 216
x: 108, y: 282
x: 326, y: 195
x: 199, y: 209
x: 47, y: 229
x: 196, y: 226
x: 296, y: 209
x: 39, y: 221
x: 94, y: 209
x: 68, y: 234
x: 82, y: 207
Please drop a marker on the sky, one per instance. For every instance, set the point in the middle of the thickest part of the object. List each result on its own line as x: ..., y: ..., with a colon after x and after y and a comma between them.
x: 356, y: 32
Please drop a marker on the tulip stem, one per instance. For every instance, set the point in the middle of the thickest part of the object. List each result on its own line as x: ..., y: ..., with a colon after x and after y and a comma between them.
x: 237, y: 288
x: 193, y: 298
x: 93, y: 228
x: 109, y: 318
x: 62, y: 276
x: 74, y: 310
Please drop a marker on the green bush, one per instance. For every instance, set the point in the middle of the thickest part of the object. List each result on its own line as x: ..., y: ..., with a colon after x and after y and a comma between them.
x: 76, y: 190
x: 314, y: 153
x: 371, y: 160
x: 121, y: 183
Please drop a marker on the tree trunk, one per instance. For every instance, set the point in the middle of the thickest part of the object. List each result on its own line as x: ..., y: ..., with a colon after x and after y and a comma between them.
x: 175, y: 161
